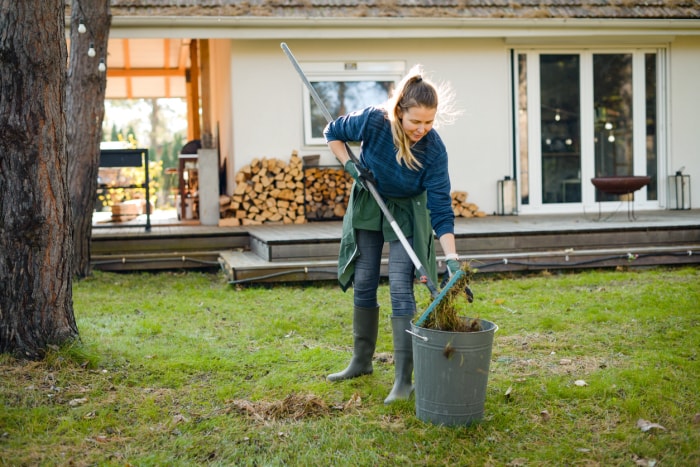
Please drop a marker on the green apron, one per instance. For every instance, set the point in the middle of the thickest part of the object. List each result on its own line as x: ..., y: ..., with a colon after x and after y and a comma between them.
x: 412, y: 217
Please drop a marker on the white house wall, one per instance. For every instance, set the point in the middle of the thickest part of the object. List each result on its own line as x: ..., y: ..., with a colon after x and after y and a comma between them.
x: 267, y: 94
x: 684, y: 121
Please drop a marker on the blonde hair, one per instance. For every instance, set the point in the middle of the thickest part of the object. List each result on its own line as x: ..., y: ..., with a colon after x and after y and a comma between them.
x: 414, y: 90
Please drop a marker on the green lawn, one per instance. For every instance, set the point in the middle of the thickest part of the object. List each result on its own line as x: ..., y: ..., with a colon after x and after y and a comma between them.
x: 184, y: 369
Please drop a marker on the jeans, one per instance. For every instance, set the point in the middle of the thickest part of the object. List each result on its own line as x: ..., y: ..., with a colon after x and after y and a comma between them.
x: 401, y: 273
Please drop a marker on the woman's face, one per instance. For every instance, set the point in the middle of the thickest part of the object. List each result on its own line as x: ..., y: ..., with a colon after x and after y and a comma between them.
x: 417, y: 122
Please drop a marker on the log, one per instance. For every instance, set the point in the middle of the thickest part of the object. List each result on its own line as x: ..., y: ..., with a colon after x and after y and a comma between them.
x: 463, y: 208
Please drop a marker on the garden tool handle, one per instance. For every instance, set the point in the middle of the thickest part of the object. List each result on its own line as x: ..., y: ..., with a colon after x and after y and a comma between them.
x: 424, y: 277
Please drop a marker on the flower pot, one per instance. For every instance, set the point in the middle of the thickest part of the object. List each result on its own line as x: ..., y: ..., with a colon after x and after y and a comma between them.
x: 451, y: 370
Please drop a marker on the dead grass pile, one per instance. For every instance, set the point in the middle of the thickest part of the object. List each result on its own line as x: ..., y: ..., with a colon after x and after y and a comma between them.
x: 293, y: 407
x: 445, y: 316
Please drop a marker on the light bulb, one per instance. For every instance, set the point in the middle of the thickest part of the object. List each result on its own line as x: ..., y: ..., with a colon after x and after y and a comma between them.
x: 91, y: 50
x: 102, y: 67
x: 81, y: 27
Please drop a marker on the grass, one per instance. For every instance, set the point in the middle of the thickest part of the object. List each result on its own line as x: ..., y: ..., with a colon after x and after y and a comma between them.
x: 183, y: 369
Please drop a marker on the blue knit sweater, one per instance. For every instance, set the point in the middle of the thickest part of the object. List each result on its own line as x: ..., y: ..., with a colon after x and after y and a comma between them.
x: 372, y: 129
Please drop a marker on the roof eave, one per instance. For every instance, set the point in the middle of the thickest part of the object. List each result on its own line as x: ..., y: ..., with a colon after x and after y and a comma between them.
x: 375, y: 28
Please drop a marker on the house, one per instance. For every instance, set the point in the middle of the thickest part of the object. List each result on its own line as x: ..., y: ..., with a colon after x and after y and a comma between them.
x: 554, y: 93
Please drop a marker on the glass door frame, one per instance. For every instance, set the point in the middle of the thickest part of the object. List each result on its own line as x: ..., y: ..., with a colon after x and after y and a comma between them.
x: 534, y: 132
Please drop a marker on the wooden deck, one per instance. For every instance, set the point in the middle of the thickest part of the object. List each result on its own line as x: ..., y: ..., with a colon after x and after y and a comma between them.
x: 308, y: 252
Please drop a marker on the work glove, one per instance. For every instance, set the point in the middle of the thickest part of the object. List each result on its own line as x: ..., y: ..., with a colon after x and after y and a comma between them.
x: 359, y: 173
x: 453, y: 266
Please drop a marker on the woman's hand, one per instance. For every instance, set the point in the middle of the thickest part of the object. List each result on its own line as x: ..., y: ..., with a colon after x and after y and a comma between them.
x: 359, y: 173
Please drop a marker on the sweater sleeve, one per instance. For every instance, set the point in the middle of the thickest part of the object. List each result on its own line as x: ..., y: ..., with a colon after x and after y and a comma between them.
x: 437, y: 185
x: 348, y: 128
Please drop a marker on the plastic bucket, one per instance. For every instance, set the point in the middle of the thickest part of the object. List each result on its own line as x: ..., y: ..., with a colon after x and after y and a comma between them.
x: 451, y: 371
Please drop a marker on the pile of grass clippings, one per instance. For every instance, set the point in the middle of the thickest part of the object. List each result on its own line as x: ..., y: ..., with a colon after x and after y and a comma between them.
x: 444, y: 316
x: 293, y: 407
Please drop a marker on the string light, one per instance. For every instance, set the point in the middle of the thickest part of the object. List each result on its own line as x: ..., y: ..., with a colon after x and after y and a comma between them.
x: 82, y: 29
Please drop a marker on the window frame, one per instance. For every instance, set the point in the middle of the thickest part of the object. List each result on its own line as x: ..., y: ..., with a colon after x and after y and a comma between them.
x: 343, y: 71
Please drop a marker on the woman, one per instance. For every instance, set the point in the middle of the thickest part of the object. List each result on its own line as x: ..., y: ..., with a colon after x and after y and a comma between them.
x: 404, y: 157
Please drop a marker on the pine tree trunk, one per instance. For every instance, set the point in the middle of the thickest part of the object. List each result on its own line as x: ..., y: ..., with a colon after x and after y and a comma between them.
x: 85, y: 96
x: 36, y: 308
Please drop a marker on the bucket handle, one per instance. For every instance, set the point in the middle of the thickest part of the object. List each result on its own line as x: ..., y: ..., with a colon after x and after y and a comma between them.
x: 425, y: 339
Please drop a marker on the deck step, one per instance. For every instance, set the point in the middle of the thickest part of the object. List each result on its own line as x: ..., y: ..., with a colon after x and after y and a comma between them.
x: 243, y: 267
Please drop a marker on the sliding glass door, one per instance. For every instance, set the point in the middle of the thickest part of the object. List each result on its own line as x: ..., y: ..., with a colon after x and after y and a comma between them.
x: 582, y: 115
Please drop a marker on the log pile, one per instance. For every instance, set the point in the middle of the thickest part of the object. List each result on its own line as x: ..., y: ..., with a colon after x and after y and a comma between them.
x: 327, y: 191
x: 273, y: 191
x: 462, y: 208
x: 267, y: 190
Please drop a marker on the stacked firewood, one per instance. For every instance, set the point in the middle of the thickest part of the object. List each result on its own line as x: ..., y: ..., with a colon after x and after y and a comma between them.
x: 327, y: 192
x: 267, y: 190
x: 273, y: 191
x: 462, y: 208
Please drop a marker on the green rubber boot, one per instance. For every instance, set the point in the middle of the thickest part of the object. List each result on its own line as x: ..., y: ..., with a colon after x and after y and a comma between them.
x: 365, y: 326
x: 403, y: 360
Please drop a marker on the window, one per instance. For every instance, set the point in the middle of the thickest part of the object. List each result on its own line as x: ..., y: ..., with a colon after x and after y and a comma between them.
x: 345, y: 87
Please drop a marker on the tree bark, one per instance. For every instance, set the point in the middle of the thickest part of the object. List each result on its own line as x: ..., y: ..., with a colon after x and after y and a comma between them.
x: 36, y: 302
x: 85, y: 97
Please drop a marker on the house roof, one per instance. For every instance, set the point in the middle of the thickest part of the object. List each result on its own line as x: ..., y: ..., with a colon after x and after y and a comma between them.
x: 147, y: 65
x: 487, y: 9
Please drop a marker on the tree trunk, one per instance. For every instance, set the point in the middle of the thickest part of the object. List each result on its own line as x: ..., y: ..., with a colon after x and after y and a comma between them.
x: 36, y: 302
x: 85, y: 105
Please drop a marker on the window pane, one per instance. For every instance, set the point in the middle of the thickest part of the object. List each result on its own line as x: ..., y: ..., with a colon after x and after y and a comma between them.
x: 560, y: 110
x: 342, y: 97
x: 522, y: 130
x: 612, y: 100
x: 651, y: 139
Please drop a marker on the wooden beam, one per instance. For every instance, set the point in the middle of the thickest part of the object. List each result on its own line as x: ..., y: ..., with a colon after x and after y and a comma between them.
x: 127, y: 65
x: 145, y: 72
x: 194, y: 131
x: 207, y: 140
x: 166, y: 64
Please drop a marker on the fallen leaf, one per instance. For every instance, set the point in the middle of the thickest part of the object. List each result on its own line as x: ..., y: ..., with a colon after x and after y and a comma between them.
x: 517, y: 462
x: 641, y: 462
x: 77, y: 402
x: 355, y: 401
x: 646, y: 425
x: 565, y: 361
x: 499, y: 301
x: 696, y: 419
x: 545, y: 415
x: 580, y: 382
x: 179, y: 418
x: 508, y: 391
